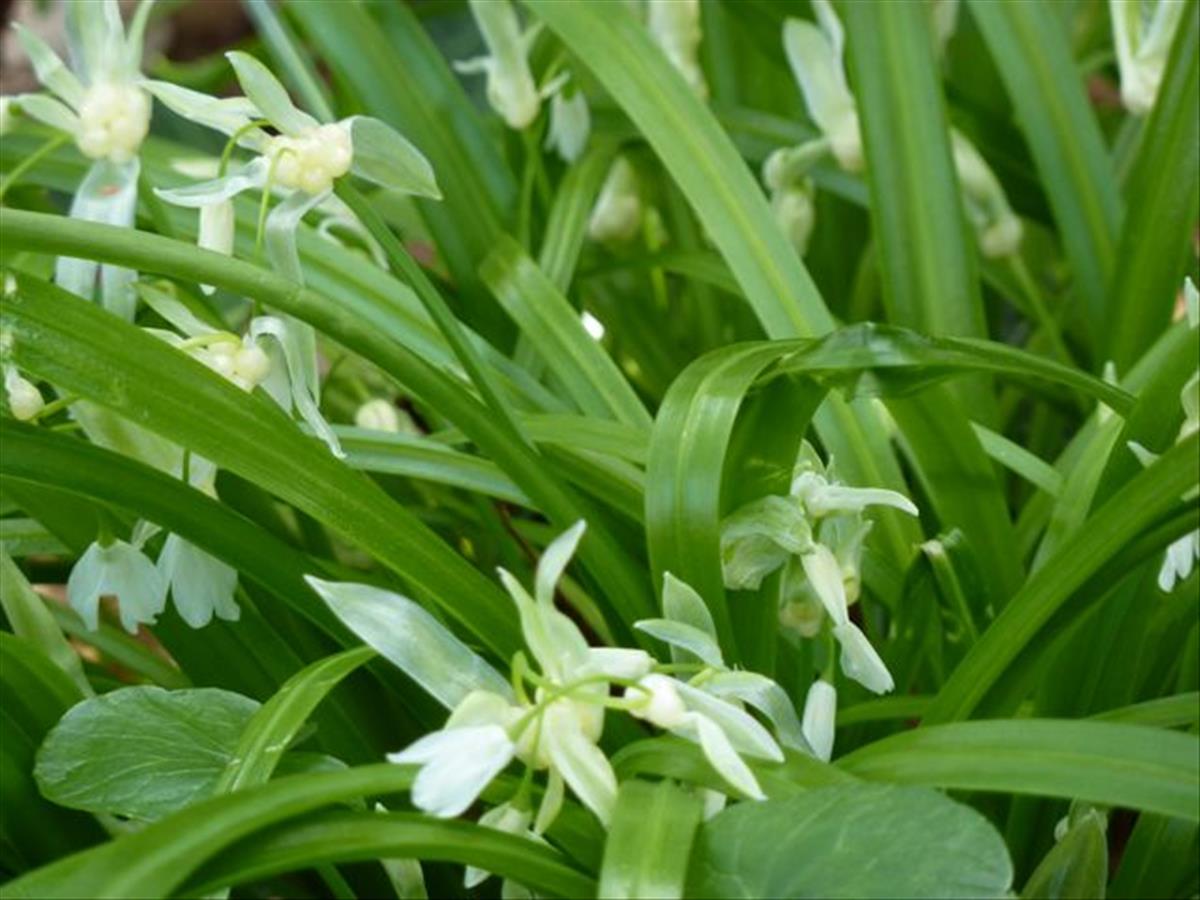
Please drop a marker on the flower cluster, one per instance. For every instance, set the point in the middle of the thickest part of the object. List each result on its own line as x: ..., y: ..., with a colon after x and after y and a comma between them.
x: 549, y: 715
x: 816, y: 534
x: 101, y: 102
x: 816, y: 54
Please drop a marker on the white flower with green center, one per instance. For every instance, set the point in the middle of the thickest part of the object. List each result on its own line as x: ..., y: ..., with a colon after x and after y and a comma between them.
x: 1142, y: 34
x: 101, y: 102
x: 302, y: 162
x: 675, y: 27
x: 119, y: 569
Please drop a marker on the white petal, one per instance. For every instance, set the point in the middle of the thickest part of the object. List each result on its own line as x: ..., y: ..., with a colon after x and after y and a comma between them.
x: 820, y: 715
x: 581, y: 763
x: 681, y: 603
x: 554, y: 561
x: 860, y: 661
x: 49, y: 68
x: 271, y: 98
x: 837, y: 498
x: 48, y: 111
x: 824, y: 574
x: 228, y: 115
x: 767, y: 697
x: 197, y: 196
x: 83, y: 586
x: 742, y: 729
x: 200, y: 583
x: 280, y: 233
x: 618, y: 662
x: 458, y: 764
x: 552, y: 801
x: 684, y: 637
x: 720, y: 753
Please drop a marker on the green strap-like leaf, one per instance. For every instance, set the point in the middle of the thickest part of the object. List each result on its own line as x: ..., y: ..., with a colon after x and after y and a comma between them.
x: 1028, y: 45
x: 1101, y: 762
x: 649, y: 841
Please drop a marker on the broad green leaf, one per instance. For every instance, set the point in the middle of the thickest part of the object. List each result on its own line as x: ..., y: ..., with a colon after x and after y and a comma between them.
x: 1101, y: 762
x: 412, y: 639
x: 142, y: 752
x: 853, y: 840
x: 649, y: 841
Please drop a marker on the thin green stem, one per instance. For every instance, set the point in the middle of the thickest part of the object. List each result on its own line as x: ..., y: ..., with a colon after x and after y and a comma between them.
x: 30, y: 161
x: 227, y: 152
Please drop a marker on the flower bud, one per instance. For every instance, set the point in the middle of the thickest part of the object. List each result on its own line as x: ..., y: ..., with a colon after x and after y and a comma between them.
x: 24, y: 399
x: 820, y: 718
x: 378, y: 415
x: 658, y: 701
x: 251, y: 364
x: 310, y: 162
x: 617, y: 215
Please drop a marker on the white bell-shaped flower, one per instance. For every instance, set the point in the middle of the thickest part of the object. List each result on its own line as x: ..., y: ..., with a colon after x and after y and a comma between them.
x: 200, y: 584
x: 118, y: 569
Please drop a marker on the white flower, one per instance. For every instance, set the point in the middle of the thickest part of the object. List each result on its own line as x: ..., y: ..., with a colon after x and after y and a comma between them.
x: 997, y: 229
x: 378, y: 415
x: 459, y: 761
x: 101, y: 103
x: 794, y: 211
x: 815, y: 55
x: 617, y: 215
x: 820, y: 718
x: 511, y: 90
x: 303, y: 160
x: 119, y: 569
x: 25, y: 401
x: 200, y: 584
x: 1142, y: 36
x: 657, y: 701
x: 570, y: 124
x: 860, y: 661
x: 675, y: 27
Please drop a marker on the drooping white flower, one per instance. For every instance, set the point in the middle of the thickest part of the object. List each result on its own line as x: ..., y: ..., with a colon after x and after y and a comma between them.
x: 119, y: 569
x: 511, y: 90
x: 25, y: 401
x: 820, y: 718
x: 199, y: 583
x: 675, y: 27
x: 1142, y: 36
x: 816, y: 56
x: 570, y: 124
x: 997, y: 229
x: 617, y: 215
x: 793, y: 208
x: 101, y: 102
x: 303, y: 161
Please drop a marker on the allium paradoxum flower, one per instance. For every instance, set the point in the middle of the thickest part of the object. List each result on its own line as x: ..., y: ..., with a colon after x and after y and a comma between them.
x: 511, y: 89
x: 675, y: 27
x: 101, y: 102
x: 550, y: 714
x: 1142, y: 34
x: 816, y: 54
x: 301, y: 162
x: 817, y: 532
